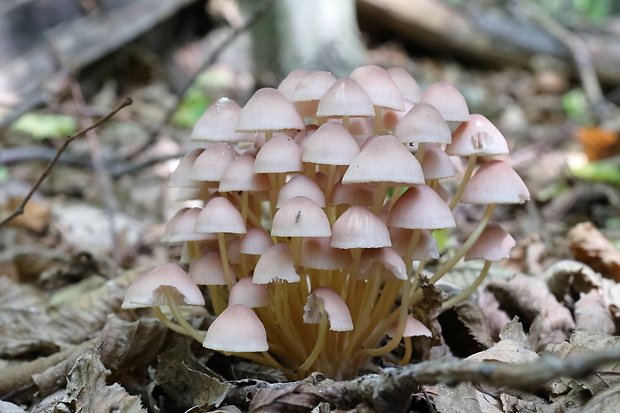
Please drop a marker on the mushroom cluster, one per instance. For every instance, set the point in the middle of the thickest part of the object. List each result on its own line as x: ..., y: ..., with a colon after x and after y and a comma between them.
x: 320, y: 202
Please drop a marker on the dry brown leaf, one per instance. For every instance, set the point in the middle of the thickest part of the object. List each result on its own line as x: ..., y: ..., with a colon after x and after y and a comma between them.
x: 592, y: 315
x: 584, y: 342
x: 87, y: 391
x: 457, y: 399
x: 496, y: 318
x: 528, y: 297
x: 591, y: 247
x: 185, y: 381
x: 606, y: 401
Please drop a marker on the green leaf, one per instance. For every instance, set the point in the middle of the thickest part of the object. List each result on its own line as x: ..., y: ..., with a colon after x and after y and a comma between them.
x: 4, y: 174
x: 598, y: 171
x: 193, y: 106
x: 41, y: 126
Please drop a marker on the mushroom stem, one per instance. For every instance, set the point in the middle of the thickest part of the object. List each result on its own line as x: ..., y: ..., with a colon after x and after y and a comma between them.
x: 402, y: 322
x: 466, y: 175
x: 467, y: 292
x: 320, y: 341
x: 421, y: 149
x: 167, y: 322
x: 408, y: 350
x: 176, y: 312
x: 378, y: 120
x: 221, y: 242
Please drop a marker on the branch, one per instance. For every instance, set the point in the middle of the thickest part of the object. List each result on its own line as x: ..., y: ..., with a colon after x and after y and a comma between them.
x: 20, y: 209
x: 392, y: 388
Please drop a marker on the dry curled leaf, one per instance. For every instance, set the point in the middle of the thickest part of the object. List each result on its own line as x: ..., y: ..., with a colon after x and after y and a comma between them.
x: 528, y: 298
x: 591, y: 247
x: 591, y: 314
x: 87, y: 391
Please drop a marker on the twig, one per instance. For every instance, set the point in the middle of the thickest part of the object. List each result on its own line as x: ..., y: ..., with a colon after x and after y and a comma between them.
x: 115, y: 166
x: 390, y: 390
x: 20, y: 209
x: 576, y: 45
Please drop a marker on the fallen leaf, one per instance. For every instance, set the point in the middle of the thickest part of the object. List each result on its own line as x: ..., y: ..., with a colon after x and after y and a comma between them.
x: 592, y: 315
x: 87, y: 391
x: 185, y: 381
x: 591, y: 247
x: 528, y: 297
x: 457, y: 399
x: 496, y: 318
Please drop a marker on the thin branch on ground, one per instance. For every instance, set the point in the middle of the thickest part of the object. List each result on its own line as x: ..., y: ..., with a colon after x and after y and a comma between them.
x: 393, y: 386
x: 115, y: 166
x: 20, y: 208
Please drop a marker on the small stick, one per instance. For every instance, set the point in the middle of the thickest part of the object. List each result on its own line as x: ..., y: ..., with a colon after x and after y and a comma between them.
x: 20, y: 209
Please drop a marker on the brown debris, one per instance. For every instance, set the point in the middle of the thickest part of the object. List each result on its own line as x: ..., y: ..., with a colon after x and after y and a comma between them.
x: 591, y: 247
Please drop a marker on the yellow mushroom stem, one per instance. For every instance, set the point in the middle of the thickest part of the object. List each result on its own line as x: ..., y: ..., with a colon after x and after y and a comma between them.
x: 221, y: 243
x: 176, y: 312
x: 403, y: 311
x: 167, y: 322
x: 408, y: 350
x: 466, y: 175
x: 318, y: 346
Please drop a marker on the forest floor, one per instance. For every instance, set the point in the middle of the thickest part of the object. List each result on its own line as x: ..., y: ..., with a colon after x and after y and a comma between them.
x: 66, y: 263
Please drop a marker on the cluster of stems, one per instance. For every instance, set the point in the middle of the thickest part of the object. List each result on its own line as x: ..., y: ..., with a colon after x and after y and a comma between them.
x: 333, y: 210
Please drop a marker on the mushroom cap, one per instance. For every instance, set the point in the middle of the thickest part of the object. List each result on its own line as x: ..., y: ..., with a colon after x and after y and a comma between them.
x: 379, y: 86
x: 181, y: 228
x: 318, y: 254
x: 249, y: 294
x: 424, y: 250
x: 268, y: 110
x: 300, y: 217
x: 353, y: 194
x: 237, y: 329
x: 255, y: 242
x: 148, y: 289
x: 301, y: 185
x: 289, y: 83
x: 493, y: 244
x: 495, y: 182
x: 211, y: 163
x: 436, y: 163
x: 477, y: 136
x: 393, y: 265
x: 209, y: 270
x: 413, y: 327
x: 280, y: 154
x: 218, y: 123
x: 421, y: 207
x: 392, y: 117
x: 447, y: 100
x: 220, y: 215
x: 276, y: 264
x: 240, y: 176
x: 409, y: 88
x: 384, y: 159
x: 181, y: 175
x: 423, y: 123
x: 345, y: 98
x: 357, y: 227
x: 330, y: 144
x: 335, y: 307
x: 313, y: 86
